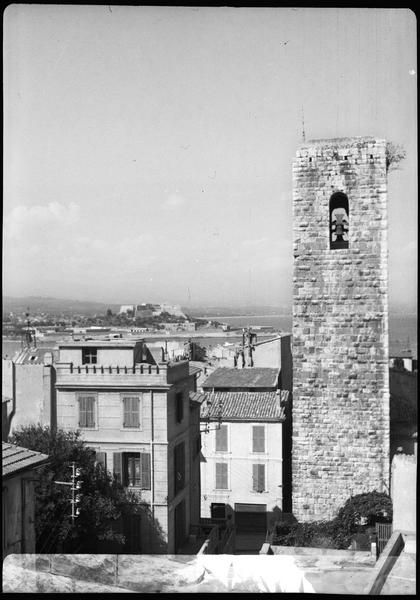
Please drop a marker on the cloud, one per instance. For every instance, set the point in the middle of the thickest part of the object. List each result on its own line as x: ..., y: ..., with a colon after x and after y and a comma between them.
x: 28, y: 223
x: 50, y: 246
x: 173, y: 201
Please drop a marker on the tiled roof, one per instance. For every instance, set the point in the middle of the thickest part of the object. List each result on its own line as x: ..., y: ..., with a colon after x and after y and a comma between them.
x: 244, y: 406
x: 198, y: 397
x: 194, y: 370
x: 251, y: 377
x: 16, y: 458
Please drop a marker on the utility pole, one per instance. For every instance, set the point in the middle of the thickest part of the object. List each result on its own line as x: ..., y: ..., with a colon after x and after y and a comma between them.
x: 74, y: 487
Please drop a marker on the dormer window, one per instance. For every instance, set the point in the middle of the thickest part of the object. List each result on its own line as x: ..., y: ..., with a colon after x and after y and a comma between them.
x: 339, y: 221
x: 89, y: 356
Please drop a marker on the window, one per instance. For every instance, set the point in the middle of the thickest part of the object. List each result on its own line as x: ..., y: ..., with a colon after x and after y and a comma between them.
x: 258, y: 438
x: 179, y: 466
x: 222, y: 439
x: 89, y: 356
x: 87, y: 411
x: 258, y: 478
x: 132, y: 469
x: 218, y: 510
x: 131, y: 408
x: 179, y: 406
x: 100, y: 459
x: 339, y: 221
x: 198, y: 444
x: 221, y: 476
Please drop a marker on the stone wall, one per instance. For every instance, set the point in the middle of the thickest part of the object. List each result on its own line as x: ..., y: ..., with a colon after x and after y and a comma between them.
x: 340, y: 328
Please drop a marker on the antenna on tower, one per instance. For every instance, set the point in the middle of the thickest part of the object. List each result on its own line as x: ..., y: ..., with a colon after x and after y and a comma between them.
x: 303, y: 126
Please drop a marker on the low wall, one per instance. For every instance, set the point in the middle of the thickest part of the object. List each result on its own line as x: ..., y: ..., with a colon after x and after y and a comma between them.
x: 152, y: 574
x: 385, y: 563
x: 328, y: 571
x: 404, y: 492
x: 359, y: 556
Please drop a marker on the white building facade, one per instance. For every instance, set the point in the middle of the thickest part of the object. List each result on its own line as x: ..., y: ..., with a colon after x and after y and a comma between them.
x: 242, y: 466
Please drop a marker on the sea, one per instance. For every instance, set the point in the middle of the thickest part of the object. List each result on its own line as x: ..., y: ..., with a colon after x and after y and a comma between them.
x: 402, y: 331
x: 402, y: 327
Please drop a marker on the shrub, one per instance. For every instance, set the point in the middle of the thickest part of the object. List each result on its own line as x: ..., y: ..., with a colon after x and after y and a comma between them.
x: 358, y: 515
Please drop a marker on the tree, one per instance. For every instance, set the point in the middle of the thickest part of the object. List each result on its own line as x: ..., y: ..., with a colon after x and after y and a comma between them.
x: 103, y: 504
x: 394, y: 155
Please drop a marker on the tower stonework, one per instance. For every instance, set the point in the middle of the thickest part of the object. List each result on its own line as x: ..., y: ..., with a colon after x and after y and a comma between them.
x: 340, y: 324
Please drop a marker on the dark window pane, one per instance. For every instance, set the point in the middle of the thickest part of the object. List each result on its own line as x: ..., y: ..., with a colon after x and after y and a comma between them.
x: 179, y: 464
x: 179, y: 407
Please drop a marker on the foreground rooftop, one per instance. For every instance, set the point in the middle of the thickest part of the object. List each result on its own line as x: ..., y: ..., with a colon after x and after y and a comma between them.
x: 244, y: 406
x: 16, y: 459
x: 250, y: 377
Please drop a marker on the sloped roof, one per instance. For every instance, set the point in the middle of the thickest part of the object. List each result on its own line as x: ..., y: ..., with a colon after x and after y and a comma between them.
x: 198, y: 397
x: 15, y: 459
x: 194, y: 370
x: 244, y: 406
x: 251, y: 377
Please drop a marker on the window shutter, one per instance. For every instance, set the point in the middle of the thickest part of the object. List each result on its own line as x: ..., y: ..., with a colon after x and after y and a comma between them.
x: 221, y: 439
x: 221, y: 476
x: 145, y: 470
x: 118, y: 466
x: 90, y: 412
x: 261, y: 478
x: 258, y: 478
x: 131, y: 411
x: 82, y: 412
x: 135, y: 412
x: 255, y: 478
x: 258, y: 438
x: 100, y: 458
x: 126, y: 403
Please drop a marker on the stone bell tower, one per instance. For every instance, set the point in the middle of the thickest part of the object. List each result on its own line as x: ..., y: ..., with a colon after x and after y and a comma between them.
x: 340, y: 324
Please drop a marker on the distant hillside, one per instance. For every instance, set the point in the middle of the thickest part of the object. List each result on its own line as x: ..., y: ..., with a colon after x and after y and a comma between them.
x: 38, y: 304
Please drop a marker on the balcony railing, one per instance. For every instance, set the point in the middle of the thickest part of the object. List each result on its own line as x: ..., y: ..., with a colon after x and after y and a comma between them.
x: 69, y: 374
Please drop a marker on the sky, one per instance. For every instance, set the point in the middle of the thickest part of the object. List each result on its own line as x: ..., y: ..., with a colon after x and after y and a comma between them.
x: 148, y: 150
